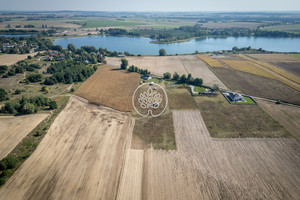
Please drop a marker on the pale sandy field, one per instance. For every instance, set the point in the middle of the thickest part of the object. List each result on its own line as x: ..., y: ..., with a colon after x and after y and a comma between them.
x: 80, y: 157
x: 86, y: 155
x: 186, y: 64
x: 10, y: 59
x: 14, y: 129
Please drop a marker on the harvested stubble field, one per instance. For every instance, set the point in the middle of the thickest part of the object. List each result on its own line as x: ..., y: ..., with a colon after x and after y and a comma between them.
x: 10, y: 59
x: 110, y: 87
x: 257, y: 86
x: 256, y: 69
x: 274, y: 57
x: 80, y: 157
x: 224, y: 120
x: 14, y: 129
x: 287, y: 116
x: 206, y: 168
x: 158, y: 65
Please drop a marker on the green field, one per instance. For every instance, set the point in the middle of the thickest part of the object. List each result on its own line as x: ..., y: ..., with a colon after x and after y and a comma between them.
x: 107, y: 23
x: 296, y: 55
x: 293, y: 28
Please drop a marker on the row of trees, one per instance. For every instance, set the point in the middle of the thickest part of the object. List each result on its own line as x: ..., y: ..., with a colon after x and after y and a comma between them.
x: 28, y: 105
x: 184, y: 79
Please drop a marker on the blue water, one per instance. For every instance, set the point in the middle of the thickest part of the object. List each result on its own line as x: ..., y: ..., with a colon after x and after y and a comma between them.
x: 140, y: 45
x: 1, y: 35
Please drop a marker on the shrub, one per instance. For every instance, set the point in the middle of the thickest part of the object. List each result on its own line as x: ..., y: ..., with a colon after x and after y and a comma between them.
x: 52, y: 105
x: 176, y: 76
x: 167, y: 75
x: 3, y: 94
x: 35, y: 78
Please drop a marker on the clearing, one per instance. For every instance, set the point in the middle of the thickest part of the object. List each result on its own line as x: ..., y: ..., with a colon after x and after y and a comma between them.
x: 14, y: 129
x: 224, y: 120
x: 80, y: 157
x: 158, y: 65
x: 110, y: 87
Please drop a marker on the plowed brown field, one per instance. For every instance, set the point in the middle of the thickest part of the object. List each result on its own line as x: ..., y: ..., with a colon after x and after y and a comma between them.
x: 110, y: 87
x: 80, y: 157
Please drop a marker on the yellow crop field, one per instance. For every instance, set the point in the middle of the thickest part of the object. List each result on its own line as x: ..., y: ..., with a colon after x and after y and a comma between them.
x: 211, y: 62
x: 271, y: 67
x: 248, y: 67
x: 256, y: 69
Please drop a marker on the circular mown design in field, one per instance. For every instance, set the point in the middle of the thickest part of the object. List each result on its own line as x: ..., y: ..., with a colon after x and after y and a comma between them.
x: 150, y: 99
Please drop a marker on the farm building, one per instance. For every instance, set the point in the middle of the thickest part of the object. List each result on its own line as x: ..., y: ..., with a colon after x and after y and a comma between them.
x: 146, y: 77
x: 235, y: 97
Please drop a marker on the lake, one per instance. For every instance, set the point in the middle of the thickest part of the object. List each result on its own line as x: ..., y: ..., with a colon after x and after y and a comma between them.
x: 141, y: 45
x: 2, y: 35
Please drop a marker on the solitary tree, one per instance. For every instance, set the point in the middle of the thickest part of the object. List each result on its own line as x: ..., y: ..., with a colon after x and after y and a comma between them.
x: 124, y: 63
x: 162, y: 52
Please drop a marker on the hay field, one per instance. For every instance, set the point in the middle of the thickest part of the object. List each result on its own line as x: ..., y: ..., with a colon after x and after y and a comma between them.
x: 287, y: 116
x: 206, y: 168
x: 14, y: 129
x: 10, y: 59
x: 211, y: 62
x: 158, y: 65
x: 110, y: 87
x: 80, y: 157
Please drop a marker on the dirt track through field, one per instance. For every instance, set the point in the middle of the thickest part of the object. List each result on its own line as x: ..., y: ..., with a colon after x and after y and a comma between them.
x: 158, y: 65
x: 206, y: 168
x: 14, y: 129
x: 80, y: 157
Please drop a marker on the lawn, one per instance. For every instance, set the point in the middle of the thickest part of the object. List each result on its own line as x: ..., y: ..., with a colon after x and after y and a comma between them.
x: 158, y: 131
x: 199, y: 89
x: 224, y: 120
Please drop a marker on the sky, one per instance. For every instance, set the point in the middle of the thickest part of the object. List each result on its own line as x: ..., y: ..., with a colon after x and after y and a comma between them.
x: 151, y: 5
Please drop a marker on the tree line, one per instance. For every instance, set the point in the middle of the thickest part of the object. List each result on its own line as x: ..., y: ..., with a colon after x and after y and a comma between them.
x: 30, y: 105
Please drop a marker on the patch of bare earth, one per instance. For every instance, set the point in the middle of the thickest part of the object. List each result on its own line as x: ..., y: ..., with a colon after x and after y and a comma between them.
x: 80, y: 157
x: 14, y: 129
